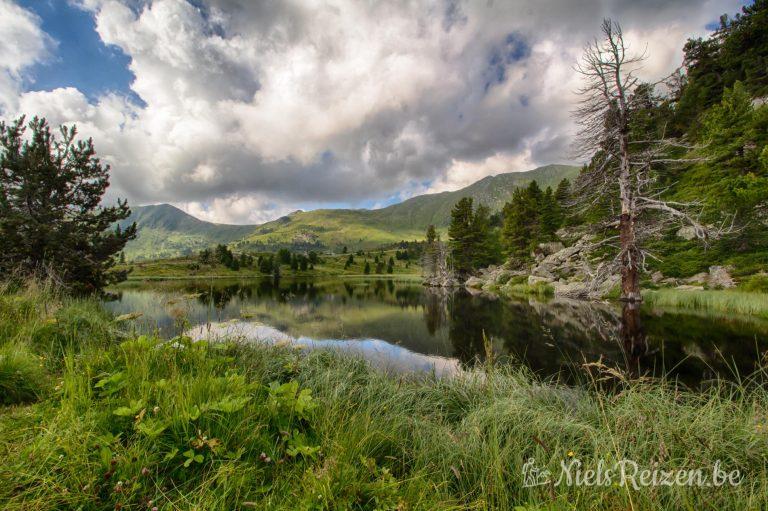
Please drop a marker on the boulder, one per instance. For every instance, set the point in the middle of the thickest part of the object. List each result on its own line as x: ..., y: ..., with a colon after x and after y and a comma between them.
x: 475, y: 282
x: 535, y: 279
x: 550, y: 248
x: 699, y: 278
x: 657, y: 277
x: 570, y: 289
x: 687, y: 287
x: 686, y: 233
x: 720, y: 277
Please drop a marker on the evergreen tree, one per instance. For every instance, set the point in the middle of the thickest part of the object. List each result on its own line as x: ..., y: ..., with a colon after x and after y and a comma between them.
x: 294, y: 262
x: 367, y: 268
x: 485, y: 248
x: 50, y: 213
x: 391, y: 265
x: 550, y: 216
x: 350, y: 261
x: 303, y: 263
x: 518, y: 228
x: 284, y: 256
x: 461, y: 236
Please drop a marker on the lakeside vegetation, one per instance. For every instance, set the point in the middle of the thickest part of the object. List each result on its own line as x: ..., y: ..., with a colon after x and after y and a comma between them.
x: 722, y: 301
x: 110, y: 420
x: 404, y: 262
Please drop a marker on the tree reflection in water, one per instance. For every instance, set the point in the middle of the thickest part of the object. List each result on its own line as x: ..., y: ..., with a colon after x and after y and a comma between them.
x: 553, y: 338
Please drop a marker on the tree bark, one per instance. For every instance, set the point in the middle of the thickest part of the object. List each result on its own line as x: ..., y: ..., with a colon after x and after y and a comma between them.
x: 630, y: 280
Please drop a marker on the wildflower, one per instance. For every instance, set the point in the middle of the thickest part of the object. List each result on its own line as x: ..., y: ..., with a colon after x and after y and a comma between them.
x: 144, y: 471
x: 571, y: 454
x: 155, y: 410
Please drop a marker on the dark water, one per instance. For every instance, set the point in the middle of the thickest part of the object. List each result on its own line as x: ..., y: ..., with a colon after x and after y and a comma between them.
x: 402, y: 325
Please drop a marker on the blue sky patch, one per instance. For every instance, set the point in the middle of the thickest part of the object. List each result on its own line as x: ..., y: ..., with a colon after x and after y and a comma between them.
x: 513, y: 49
x: 80, y: 59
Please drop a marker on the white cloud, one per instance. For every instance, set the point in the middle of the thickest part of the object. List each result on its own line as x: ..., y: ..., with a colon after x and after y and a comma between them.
x: 24, y: 44
x: 251, y: 107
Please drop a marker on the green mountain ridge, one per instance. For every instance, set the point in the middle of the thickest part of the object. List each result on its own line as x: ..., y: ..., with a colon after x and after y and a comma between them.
x: 166, y: 231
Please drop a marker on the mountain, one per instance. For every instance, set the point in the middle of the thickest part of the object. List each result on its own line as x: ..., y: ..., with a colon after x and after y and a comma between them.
x: 166, y: 231
x: 407, y: 220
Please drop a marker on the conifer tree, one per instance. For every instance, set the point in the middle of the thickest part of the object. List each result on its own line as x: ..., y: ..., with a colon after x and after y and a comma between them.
x: 51, y: 217
x: 461, y: 236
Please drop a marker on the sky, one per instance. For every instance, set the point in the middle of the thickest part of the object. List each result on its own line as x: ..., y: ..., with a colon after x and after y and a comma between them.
x: 240, y: 111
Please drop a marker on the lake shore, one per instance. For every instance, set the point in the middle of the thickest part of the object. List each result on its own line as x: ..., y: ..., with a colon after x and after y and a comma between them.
x: 98, y: 418
x: 328, y: 266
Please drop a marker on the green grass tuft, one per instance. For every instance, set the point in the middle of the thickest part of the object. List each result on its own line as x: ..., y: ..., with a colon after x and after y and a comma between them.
x: 724, y: 301
x: 135, y: 422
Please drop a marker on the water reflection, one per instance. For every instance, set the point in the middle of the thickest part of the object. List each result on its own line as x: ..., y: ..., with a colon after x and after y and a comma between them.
x: 553, y: 338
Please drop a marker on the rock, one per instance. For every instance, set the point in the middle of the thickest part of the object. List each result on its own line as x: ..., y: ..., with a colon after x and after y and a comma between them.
x: 699, y: 278
x: 605, y: 287
x: 550, y: 248
x: 535, y: 279
x: 475, y: 282
x: 687, y: 233
x: 657, y: 277
x: 570, y: 289
x: 720, y: 277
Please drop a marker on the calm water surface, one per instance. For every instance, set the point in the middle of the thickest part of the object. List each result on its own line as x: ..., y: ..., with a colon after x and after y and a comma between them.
x: 405, y: 327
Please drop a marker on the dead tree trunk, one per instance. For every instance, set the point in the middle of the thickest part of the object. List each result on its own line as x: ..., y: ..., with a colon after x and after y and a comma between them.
x: 622, y: 158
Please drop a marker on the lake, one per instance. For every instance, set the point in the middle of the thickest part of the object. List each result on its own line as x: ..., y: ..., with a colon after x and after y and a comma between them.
x: 402, y: 326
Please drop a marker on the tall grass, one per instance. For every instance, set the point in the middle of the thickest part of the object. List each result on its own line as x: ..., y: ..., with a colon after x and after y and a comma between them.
x: 730, y: 302
x: 138, y: 423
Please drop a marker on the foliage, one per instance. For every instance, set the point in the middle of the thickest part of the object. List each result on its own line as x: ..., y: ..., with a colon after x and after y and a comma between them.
x: 473, y: 243
x: 532, y: 217
x: 50, y: 214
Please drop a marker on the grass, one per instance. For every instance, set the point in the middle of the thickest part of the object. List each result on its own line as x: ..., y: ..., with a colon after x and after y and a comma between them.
x: 330, y: 265
x: 723, y: 301
x: 132, y: 422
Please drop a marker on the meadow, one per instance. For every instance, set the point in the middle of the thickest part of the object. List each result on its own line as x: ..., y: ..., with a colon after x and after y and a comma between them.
x: 94, y: 417
x: 329, y: 265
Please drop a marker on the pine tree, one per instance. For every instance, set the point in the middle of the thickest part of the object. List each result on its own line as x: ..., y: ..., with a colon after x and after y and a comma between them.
x: 50, y: 213
x: 367, y: 268
x: 284, y: 256
x: 485, y: 248
x: 461, y: 236
x: 549, y: 216
x: 391, y: 265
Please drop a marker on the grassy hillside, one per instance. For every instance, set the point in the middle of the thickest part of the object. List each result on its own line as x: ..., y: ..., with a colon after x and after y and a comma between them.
x: 404, y: 221
x: 166, y: 231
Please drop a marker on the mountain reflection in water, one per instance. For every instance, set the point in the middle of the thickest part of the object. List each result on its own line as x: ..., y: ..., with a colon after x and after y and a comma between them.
x: 422, y: 328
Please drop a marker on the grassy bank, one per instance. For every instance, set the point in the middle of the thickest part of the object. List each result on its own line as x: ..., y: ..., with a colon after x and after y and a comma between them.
x: 329, y: 265
x: 722, y: 301
x: 97, y: 419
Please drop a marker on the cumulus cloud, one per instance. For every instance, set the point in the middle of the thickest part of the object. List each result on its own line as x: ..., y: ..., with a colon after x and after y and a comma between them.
x: 24, y: 44
x: 252, y: 109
